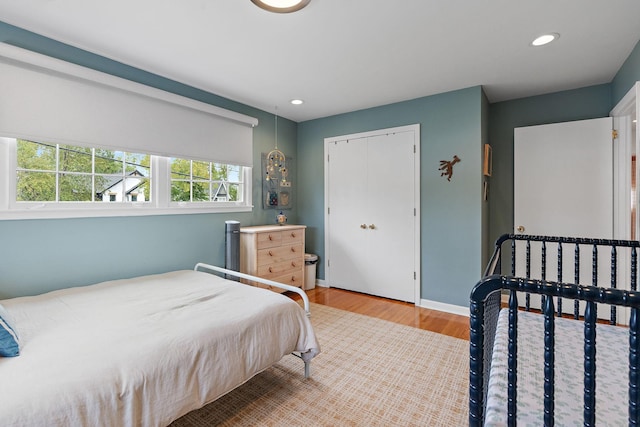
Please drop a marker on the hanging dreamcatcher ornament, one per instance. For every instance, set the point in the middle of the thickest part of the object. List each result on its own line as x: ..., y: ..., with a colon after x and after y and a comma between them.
x: 276, y: 167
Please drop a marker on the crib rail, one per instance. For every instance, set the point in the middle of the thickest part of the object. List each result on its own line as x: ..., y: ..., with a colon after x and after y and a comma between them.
x: 507, y: 252
x: 486, y: 303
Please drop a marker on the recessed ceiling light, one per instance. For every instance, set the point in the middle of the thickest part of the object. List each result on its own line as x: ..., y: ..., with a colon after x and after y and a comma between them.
x: 281, y: 6
x: 297, y: 101
x: 545, y: 39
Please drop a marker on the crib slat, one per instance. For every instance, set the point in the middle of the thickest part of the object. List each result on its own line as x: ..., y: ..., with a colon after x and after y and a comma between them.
x: 543, y: 256
x: 576, y: 278
x: 634, y: 368
x: 590, y: 316
x: 513, y: 257
x: 560, y: 267
x: 634, y: 268
x: 614, y: 283
x: 527, y: 303
x: 512, y: 362
x: 549, y: 363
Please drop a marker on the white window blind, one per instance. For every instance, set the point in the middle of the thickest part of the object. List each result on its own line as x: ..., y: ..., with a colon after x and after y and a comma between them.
x: 46, y: 99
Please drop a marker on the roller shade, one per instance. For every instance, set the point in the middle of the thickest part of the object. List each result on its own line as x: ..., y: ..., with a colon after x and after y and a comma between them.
x: 50, y: 100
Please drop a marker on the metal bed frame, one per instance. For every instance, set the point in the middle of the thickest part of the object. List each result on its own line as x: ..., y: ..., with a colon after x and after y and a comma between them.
x: 212, y: 268
x: 485, y: 305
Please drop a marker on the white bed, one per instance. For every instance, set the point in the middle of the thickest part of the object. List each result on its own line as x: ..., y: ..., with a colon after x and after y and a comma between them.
x: 143, y: 351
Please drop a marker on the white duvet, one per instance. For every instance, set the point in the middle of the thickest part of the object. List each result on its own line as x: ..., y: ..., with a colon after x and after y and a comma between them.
x: 144, y: 351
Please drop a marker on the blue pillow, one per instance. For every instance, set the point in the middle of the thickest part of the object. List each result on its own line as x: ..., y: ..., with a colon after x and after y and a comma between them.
x: 8, y: 338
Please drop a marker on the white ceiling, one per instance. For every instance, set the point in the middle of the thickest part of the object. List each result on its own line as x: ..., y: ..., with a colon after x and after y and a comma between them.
x: 346, y: 55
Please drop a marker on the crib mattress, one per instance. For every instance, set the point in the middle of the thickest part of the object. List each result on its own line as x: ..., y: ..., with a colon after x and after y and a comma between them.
x: 612, y: 347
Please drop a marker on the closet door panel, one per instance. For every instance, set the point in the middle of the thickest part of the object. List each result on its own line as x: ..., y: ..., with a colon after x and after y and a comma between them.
x: 390, y: 210
x: 347, y: 201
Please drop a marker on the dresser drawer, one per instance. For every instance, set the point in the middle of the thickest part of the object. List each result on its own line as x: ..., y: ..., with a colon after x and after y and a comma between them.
x: 293, y: 279
x: 279, y: 254
x: 269, y: 271
x: 292, y: 237
x: 269, y: 239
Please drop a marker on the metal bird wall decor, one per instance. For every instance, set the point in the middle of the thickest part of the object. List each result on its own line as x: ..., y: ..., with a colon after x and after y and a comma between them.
x: 446, y: 166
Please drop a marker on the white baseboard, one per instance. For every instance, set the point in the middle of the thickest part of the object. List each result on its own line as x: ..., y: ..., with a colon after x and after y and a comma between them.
x: 432, y: 305
x: 322, y: 283
x: 447, y: 308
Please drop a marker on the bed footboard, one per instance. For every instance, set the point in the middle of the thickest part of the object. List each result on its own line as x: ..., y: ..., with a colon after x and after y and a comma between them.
x: 304, y: 356
x: 202, y: 266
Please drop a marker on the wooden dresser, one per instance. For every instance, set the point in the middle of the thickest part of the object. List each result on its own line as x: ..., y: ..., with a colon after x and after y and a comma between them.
x: 274, y: 252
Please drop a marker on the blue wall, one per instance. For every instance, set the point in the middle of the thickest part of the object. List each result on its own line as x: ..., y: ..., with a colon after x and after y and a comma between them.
x: 41, y: 255
x: 627, y: 76
x: 579, y: 104
x: 451, y: 212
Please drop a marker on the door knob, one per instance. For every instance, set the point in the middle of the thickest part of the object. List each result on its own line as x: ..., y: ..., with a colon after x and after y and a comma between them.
x: 372, y: 226
x: 363, y: 226
x: 520, y: 229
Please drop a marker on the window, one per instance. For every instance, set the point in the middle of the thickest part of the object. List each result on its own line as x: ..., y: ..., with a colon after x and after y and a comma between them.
x: 61, y: 180
x: 194, y: 181
x: 67, y: 173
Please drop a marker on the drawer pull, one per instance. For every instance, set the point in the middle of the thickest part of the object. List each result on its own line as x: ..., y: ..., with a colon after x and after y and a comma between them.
x: 293, y: 234
x: 270, y: 237
x: 293, y: 279
x: 270, y: 269
x: 270, y: 253
x: 293, y: 264
x: 293, y: 249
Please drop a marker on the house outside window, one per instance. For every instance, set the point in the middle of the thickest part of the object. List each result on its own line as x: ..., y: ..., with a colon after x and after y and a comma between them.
x: 67, y: 173
x: 196, y: 181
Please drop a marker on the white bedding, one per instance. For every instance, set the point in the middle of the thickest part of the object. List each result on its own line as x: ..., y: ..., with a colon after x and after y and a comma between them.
x: 144, y: 351
x: 612, y: 369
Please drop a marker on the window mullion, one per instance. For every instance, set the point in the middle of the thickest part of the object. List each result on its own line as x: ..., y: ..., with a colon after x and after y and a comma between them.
x: 191, y: 180
x: 57, y: 173
x: 93, y: 175
x: 161, y: 182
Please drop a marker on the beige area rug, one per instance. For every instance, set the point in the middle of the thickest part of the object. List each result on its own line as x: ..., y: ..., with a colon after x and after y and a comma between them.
x: 371, y: 372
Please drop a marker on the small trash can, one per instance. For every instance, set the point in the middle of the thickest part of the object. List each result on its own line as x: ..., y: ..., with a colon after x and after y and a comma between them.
x: 310, y: 261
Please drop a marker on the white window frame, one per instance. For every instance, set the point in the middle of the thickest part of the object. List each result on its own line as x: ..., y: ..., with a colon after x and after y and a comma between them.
x: 160, y: 203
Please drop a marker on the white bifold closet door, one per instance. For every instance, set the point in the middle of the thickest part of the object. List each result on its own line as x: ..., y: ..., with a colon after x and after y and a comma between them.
x: 371, y: 222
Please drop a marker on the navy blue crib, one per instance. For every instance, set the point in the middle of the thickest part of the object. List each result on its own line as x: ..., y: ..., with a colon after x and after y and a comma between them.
x: 486, y: 302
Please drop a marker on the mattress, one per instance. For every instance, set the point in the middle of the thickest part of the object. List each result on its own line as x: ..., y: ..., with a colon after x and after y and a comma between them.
x: 143, y: 351
x: 612, y: 350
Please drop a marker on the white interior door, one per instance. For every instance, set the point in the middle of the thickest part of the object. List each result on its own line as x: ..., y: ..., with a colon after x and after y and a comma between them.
x: 563, y: 186
x: 563, y: 179
x: 390, y: 215
x: 371, y: 222
x: 347, y: 183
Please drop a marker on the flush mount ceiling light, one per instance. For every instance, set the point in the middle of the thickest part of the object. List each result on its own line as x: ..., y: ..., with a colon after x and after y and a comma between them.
x: 545, y: 39
x: 281, y: 6
x: 297, y: 101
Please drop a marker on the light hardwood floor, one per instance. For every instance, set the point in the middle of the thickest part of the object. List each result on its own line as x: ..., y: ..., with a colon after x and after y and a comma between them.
x: 392, y: 310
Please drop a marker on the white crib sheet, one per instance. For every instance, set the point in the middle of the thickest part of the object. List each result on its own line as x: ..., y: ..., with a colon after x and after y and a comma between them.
x: 612, y: 368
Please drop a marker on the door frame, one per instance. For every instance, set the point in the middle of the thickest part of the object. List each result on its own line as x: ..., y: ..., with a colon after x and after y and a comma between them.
x: 622, y: 151
x: 415, y: 128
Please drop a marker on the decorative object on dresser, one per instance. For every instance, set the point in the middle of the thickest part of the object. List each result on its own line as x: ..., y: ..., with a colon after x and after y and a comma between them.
x: 274, y: 252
